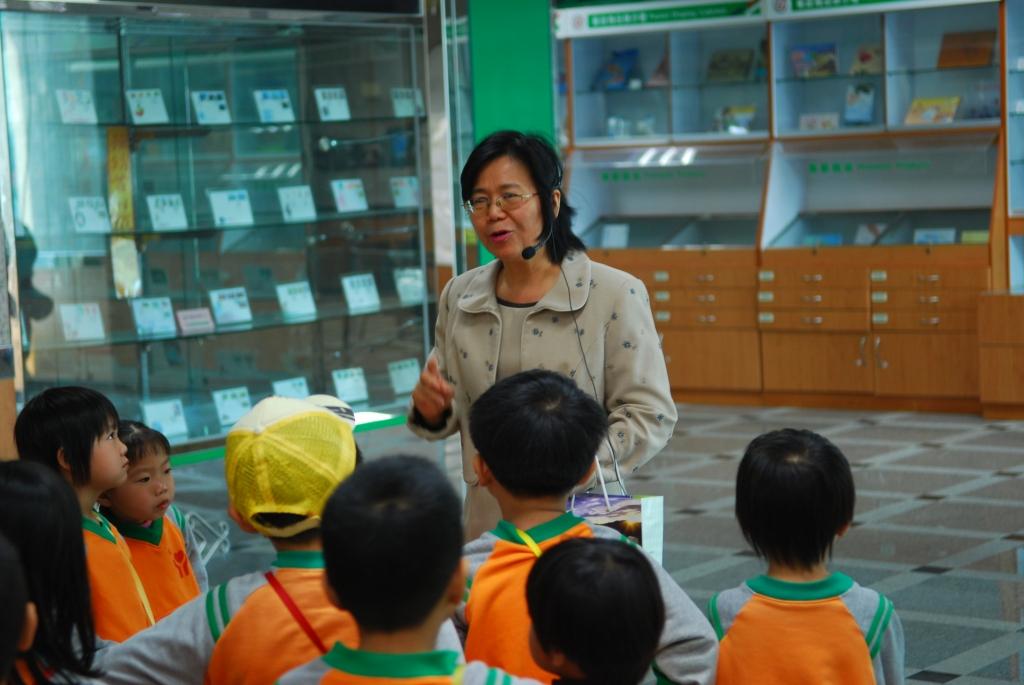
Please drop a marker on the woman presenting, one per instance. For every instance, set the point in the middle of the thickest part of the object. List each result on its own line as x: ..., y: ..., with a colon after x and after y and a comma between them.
x: 541, y: 304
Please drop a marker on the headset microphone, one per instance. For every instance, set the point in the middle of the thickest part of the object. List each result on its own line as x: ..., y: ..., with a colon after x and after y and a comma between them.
x: 530, y: 251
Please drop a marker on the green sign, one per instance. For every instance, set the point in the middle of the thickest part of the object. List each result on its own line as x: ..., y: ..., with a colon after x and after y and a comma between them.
x: 816, y: 5
x: 664, y: 15
x: 850, y: 167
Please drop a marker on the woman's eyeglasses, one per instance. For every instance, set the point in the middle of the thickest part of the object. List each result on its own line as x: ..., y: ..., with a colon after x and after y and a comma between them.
x: 480, y: 204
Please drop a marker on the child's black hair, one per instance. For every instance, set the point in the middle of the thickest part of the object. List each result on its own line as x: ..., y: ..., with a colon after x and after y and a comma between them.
x: 598, y: 602
x: 794, y: 493
x: 66, y: 418
x: 141, y: 440
x: 40, y: 515
x: 392, y: 538
x: 14, y: 599
x: 537, y: 432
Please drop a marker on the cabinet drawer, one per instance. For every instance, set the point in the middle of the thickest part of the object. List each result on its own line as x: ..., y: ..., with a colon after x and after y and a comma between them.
x: 675, y: 317
x: 812, y: 276
x: 711, y: 278
x: 930, y: 299
x: 930, y: 277
x: 726, y: 297
x: 813, y: 320
x: 829, y: 298
x: 918, y: 320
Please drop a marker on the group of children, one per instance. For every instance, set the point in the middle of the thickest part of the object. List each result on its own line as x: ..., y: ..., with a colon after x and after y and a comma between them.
x: 372, y: 582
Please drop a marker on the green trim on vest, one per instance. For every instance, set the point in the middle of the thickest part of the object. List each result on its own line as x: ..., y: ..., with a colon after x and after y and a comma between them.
x: 310, y: 559
x: 101, y: 528
x: 545, y: 531
x: 716, y: 620
x: 153, y: 534
x: 880, y: 624
x: 833, y: 586
x: 372, y: 664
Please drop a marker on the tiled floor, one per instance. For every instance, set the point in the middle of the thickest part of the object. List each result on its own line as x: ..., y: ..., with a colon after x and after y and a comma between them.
x: 939, y: 524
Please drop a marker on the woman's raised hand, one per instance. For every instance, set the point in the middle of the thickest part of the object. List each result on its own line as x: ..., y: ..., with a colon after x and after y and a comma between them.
x: 432, y: 395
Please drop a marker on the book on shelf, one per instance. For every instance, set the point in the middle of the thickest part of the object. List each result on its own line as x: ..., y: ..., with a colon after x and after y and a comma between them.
x: 814, y: 61
x: 868, y: 234
x: 860, y: 104
x: 735, y: 118
x: 619, y: 71
x: 934, y: 236
x: 819, y: 121
x: 659, y: 77
x: 867, y: 60
x: 932, y: 110
x: 967, y: 49
x: 729, y: 65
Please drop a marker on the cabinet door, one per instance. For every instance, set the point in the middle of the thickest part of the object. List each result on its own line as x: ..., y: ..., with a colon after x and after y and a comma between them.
x: 926, y: 365
x: 1002, y: 374
x: 817, y: 362
x: 713, y: 360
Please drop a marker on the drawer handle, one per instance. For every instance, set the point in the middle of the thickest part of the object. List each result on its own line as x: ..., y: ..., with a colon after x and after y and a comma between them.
x: 706, y: 298
x: 710, y: 318
x: 929, y: 299
x: 816, y: 320
x: 705, y: 278
x: 929, y: 278
x: 882, y: 363
x: 813, y: 278
x: 931, y: 321
x: 812, y: 298
x: 859, y: 361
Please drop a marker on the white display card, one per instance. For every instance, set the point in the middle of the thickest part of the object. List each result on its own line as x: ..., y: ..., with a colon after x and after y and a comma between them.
x: 361, y: 293
x: 231, y: 207
x: 230, y: 306
x: 147, y: 106
x: 934, y: 236
x: 89, y: 214
x: 405, y: 191
x: 296, y: 300
x: 194, y: 321
x: 296, y: 203
x: 332, y: 104
x: 404, y: 373
x: 153, y: 316
x: 615, y: 235
x: 407, y: 102
x: 232, y: 404
x: 292, y: 387
x: 410, y: 285
x: 82, y: 322
x: 349, y: 195
x: 165, y: 416
x: 76, y: 107
x: 350, y: 385
x: 274, y: 106
x: 211, y: 107
x: 167, y: 212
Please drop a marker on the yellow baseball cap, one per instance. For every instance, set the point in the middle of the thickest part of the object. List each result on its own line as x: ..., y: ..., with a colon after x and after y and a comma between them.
x: 286, y: 456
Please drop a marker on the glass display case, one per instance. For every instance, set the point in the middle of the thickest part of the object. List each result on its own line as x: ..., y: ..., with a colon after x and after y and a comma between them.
x: 210, y: 212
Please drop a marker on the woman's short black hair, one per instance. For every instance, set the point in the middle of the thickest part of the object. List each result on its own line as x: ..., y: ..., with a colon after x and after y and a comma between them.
x: 68, y: 418
x: 40, y: 515
x: 794, y: 493
x: 598, y: 602
x: 13, y: 599
x: 541, y: 160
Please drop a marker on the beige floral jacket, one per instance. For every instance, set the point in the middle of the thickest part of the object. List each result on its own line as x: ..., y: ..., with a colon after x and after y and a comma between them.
x: 616, y: 329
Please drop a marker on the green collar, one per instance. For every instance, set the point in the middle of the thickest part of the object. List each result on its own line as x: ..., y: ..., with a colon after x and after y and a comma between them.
x: 311, y: 559
x: 153, y: 534
x: 833, y: 586
x: 101, y: 528
x: 375, y: 664
x: 545, y: 531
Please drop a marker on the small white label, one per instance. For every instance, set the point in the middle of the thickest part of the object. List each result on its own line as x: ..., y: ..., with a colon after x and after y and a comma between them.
x: 274, y: 106
x: 195, y: 321
x: 766, y: 317
x: 407, y: 102
x: 662, y: 316
x: 661, y: 276
x: 232, y: 404
x: 881, y: 318
x: 349, y: 195
x: 147, y: 106
x: 332, y: 104
x: 230, y: 306
x: 211, y: 107
x: 879, y: 276
x: 230, y: 207
x: 165, y: 416
x: 296, y: 300
x: 89, y: 214
x: 410, y: 286
x: 292, y: 387
x: 766, y: 276
x: 405, y: 191
x: 615, y: 236
x: 82, y: 322
x: 404, y: 373
x: 76, y: 107
x: 167, y: 212
x: 1020, y: 63
x: 153, y: 316
x: 296, y: 203
x: 879, y: 297
x: 350, y: 385
x: 662, y: 295
x: 765, y: 296
x: 361, y: 293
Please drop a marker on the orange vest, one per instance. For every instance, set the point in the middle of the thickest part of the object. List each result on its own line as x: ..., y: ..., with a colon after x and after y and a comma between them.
x: 496, y: 614
x: 161, y: 560
x: 120, y: 607
x: 263, y: 640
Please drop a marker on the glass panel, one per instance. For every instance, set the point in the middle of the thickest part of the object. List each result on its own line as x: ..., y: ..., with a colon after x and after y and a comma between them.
x: 1015, y: 104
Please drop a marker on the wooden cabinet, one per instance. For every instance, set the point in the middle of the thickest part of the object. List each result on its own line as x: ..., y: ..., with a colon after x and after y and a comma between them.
x: 713, y: 360
x: 914, y: 365
x: 817, y: 362
x: 1001, y: 354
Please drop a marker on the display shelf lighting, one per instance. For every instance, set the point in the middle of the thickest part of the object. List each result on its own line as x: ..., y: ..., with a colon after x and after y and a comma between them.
x: 666, y: 157
x: 688, y: 156
x: 647, y: 156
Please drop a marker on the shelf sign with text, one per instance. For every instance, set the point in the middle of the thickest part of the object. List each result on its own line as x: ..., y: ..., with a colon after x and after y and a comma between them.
x: 650, y: 16
x: 778, y: 9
